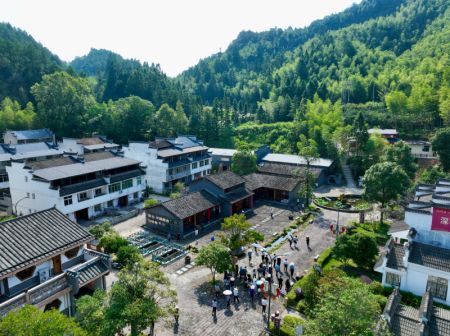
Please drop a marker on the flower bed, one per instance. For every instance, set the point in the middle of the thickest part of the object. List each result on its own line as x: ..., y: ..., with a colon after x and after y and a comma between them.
x: 345, y: 203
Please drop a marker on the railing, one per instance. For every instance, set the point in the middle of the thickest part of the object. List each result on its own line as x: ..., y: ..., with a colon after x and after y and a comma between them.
x: 14, y: 303
x: 48, y: 288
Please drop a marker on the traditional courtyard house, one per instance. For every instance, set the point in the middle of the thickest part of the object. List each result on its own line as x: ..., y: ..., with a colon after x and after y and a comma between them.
x: 428, y: 320
x: 44, y: 262
x: 87, y: 145
x: 273, y: 187
x: 183, y: 215
x: 81, y: 187
x: 390, y: 135
x: 229, y: 188
x: 423, y: 263
x: 171, y: 160
x: 294, y: 165
x: 29, y: 136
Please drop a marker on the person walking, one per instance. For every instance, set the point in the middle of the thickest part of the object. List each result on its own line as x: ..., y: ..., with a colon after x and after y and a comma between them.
x: 290, y: 241
x: 271, y: 213
x: 251, y: 292
x: 236, y: 270
x: 217, y: 289
x: 254, y: 273
x: 291, y: 269
x: 235, y: 295
x: 277, y: 269
x: 285, y: 264
x: 280, y: 281
x: 295, y: 239
x: 228, y: 301
x: 288, y: 285
x: 249, y: 254
x: 278, y: 292
x: 176, y: 314
x: 307, y: 242
x: 264, y: 305
x: 214, y: 307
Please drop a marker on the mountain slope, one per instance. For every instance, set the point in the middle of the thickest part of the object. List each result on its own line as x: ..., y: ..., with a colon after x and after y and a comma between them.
x: 92, y: 64
x: 346, y: 60
x: 23, y: 62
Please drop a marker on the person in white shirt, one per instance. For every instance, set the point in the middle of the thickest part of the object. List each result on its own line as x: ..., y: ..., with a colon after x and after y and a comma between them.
x: 235, y: 295
x: 264, y: 305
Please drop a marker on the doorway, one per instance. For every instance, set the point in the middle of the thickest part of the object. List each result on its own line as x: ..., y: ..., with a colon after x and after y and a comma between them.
x: 82, y: 214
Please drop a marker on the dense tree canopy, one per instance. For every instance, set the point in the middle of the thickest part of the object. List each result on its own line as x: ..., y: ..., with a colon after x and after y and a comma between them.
x: 243, y: 162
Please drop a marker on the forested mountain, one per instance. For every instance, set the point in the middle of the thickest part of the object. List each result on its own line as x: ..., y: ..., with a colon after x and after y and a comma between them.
x: 23, y: 62
x: 364, y: 54
x: 387, y: 59
x: 92, y: 64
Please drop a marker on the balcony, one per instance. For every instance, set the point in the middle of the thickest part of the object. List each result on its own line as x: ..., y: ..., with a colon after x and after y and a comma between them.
x: 37, y: 295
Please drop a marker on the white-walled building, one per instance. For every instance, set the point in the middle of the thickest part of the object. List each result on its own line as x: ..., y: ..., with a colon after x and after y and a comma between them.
x: 421, y: 149
x: 44, y: 262
x: 32, y: 151
x: 168, y: 161
x: 81, y: 187
x: 87, y: 145
x: 422, y: 263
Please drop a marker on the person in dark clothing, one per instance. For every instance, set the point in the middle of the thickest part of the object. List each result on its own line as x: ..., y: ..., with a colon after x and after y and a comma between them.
x: 307, y: 242
x: 288, y: 285
x: 236, y: 270
x: 280, y: 281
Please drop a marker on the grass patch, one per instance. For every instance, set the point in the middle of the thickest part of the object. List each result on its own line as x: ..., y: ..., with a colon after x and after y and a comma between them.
x: 7, y: 218
x: 288, y: 325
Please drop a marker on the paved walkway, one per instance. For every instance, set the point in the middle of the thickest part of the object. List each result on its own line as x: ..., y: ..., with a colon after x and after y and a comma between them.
x: 195, y: 292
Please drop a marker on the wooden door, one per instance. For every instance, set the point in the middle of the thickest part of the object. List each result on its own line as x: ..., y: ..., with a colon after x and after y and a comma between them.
x: 57, y: 268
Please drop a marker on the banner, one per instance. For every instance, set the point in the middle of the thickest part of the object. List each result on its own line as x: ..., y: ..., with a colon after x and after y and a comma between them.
x: 441, y: 219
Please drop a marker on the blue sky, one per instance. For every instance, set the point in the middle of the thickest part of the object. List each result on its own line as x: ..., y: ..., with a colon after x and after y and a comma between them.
x: 173, y: 33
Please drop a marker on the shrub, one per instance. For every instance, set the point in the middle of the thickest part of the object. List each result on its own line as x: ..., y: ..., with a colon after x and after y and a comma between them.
x: 150, y: 202
x: 288, y: 325
x: 410, y: 299
x: 376, y: 288
x: 128, y: 254
x: 112, y: 242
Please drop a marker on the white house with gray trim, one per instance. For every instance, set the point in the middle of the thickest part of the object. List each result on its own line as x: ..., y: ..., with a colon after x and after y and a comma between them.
x: 422, y: 262
x: 81, y: 187
x: 171, y: 160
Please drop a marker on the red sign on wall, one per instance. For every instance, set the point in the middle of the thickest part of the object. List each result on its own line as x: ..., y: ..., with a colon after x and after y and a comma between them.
x: 441, y: 219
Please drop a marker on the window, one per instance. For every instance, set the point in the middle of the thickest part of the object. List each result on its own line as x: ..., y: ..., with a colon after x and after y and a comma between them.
x: 98, y: 191
x: 194, y: 165
x: 110, y: 204
x: 4, y: 178
x: 209, y: 171
x: 114, y: 187
x: 393, y: 279
x: 127, y: 184
x: 136, y: 195
x: 206, y: 162
x: 72, y: 252
x: 139, y: 180
x: 82, y: 196
x: 426, y: 148
x: 28, y: 195
x: 33, y: 196
x: 26, y: 273
x: 437, y: 287
x: 68, y: 200
x: 97, y: 207
x: 202, y: 163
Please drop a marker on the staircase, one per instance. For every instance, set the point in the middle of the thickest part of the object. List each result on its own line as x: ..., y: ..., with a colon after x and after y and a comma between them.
x: 348, y: 175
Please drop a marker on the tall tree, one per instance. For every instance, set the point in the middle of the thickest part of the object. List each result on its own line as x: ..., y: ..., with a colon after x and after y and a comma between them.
x: 400, y: 153
x: 62, y: 102
x: 30, y: 320
x: 385, y: 182
x: 216, y: 257
x: 243, y: 162
x: 441, y: 144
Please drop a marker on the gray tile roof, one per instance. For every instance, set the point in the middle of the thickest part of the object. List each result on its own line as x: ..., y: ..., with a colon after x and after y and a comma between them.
x: 39, y: 236
x: 92, y: 271
x: 74, y: 169
x: 237, y: 195
x: 395, y: 256
x: 33, y: 134
x: 178, y: 151
x: 408, y: 321
x: 430, y: 256
x: 126, y: 175
x: 225, y: 179
x: 190, y: 204
x: 286, y: 169
x: 296, y: 160
x: 255, y: 181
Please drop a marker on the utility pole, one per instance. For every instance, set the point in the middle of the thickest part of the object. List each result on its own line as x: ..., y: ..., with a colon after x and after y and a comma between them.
x: 337, y: 225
